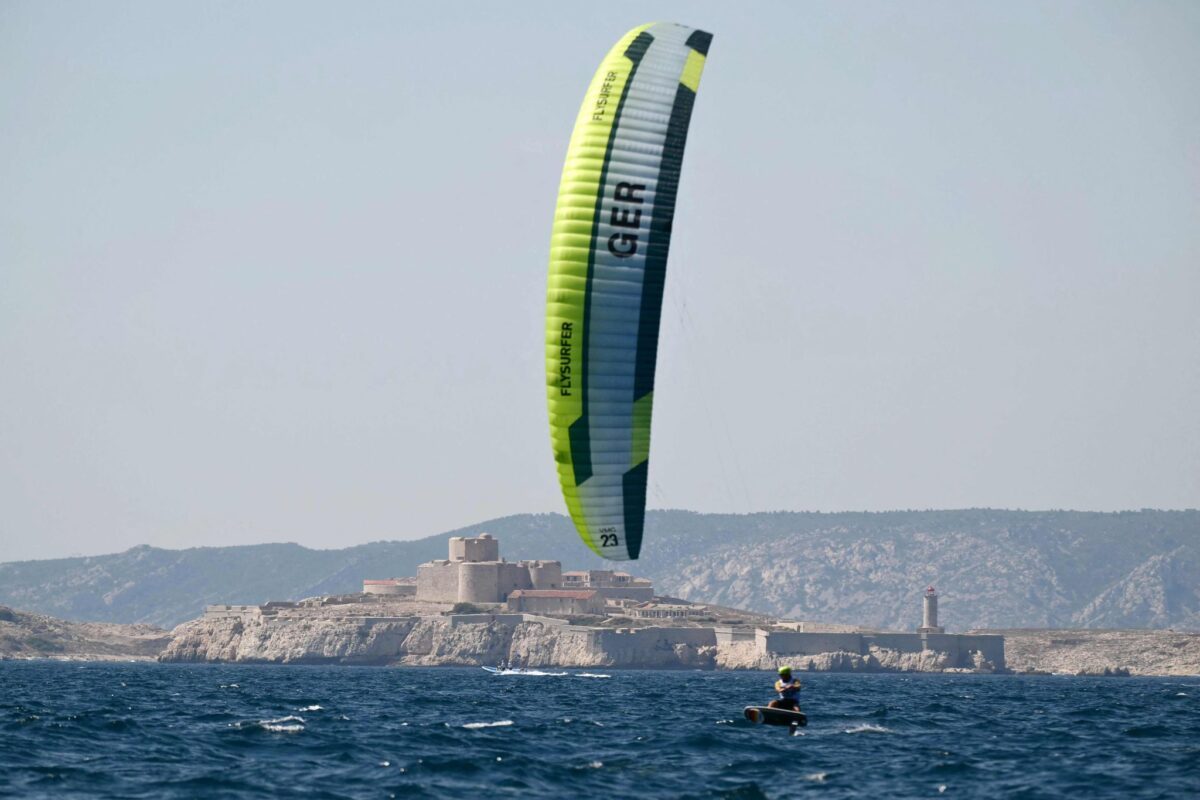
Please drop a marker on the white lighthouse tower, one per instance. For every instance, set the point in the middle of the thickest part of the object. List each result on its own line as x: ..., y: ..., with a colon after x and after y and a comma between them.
x: 930, y: 622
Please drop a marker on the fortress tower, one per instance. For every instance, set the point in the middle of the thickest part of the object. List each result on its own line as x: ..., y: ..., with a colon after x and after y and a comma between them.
x: 929, y: 623
x: 475, y: 573
x: 483, y: 547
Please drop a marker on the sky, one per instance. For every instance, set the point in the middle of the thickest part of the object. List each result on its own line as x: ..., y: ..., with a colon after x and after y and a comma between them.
x: 276, y: 271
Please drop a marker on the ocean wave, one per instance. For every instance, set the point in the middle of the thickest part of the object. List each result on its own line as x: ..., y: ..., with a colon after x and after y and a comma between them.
x: 311, y: 708
x: 288, y: 724
x: 869, y: 729
x: 591, y: 675
x: 504, y: 723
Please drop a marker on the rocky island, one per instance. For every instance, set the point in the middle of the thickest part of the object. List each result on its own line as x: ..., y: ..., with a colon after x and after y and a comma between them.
x: 474, y: 608
x: 1102, y: 652
x: 24, y: 635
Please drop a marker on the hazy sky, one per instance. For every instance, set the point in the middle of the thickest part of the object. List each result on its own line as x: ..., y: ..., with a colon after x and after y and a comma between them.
x: 276, y: 271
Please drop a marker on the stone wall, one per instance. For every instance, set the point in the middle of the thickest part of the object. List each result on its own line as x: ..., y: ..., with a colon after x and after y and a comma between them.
x: 798, y: 643
x: 482, y: 581
x: 900, y: 642
x: 478, y: 582
x: 889, y: 650
x: 642, y: 594
x: 726, y: 635
x: 536, y: 604
x: 511, y: 578
x: 544, y: 574
x: 437, y: 581
x: 231, y: 612
x: 390, y: 588
x: 484, y: 619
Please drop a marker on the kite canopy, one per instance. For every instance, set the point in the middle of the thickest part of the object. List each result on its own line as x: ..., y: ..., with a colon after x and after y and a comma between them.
x: 608, y: 261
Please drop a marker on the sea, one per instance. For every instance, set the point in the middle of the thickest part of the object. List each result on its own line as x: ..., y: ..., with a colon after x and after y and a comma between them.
x: 145, y: 730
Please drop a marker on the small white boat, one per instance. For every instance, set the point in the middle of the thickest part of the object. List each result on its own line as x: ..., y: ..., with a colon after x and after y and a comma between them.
x: 522, y: 671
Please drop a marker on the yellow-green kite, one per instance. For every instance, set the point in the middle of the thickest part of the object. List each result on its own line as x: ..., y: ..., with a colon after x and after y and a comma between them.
x: 608, y: 262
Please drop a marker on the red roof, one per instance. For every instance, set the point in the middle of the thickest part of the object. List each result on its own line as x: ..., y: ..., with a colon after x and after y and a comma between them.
x: 567, y: 594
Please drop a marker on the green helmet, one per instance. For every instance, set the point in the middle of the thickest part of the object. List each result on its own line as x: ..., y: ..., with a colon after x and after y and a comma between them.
x: 785, y: 670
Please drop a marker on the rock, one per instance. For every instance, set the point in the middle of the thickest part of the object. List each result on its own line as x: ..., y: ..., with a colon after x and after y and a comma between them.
x: 25, y: 635
x: 1090, y: 652
x: 1104, y: 672
x: 896, y: 661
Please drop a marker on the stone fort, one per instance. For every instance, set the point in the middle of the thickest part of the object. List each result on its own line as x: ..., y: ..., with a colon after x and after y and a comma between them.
x: 475, y: 573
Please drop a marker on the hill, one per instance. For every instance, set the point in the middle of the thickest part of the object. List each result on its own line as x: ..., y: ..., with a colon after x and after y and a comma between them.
x: 994, y: 569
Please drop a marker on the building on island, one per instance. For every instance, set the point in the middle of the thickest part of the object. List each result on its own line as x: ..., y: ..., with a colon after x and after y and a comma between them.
x: 962, y: 649
x: 929, y: 623
x: 394, y: 587
x: 475, y: 573
x: 654, y: 610
x: 557, y: 601
x: 610, y: 584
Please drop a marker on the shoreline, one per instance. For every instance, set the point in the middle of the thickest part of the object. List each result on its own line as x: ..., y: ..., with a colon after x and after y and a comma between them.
x: 357, y: 632
x: 148, y: 660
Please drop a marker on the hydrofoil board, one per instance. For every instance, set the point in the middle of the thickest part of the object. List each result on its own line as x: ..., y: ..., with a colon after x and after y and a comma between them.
x: 762, y: 715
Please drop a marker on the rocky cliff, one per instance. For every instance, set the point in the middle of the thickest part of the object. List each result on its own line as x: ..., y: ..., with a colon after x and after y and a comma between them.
x: 409, y: 641
x: 537, y: 642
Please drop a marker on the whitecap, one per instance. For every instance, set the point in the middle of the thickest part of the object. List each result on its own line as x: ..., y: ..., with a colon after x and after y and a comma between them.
x: 1181, y: 694
x: 592, y: 675
x: 868, y: 729
x: 311, y: 708
x: 596, y: 764
x: 288, y: 724
x: 941, y: 788
x: 819, y: 777
x: 477, y: 725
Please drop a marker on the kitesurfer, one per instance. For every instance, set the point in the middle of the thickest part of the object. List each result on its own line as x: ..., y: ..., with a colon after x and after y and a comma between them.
x: 788, y: 690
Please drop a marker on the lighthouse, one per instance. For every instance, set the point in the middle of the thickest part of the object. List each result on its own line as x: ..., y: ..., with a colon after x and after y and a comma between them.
x: 930, y: 622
